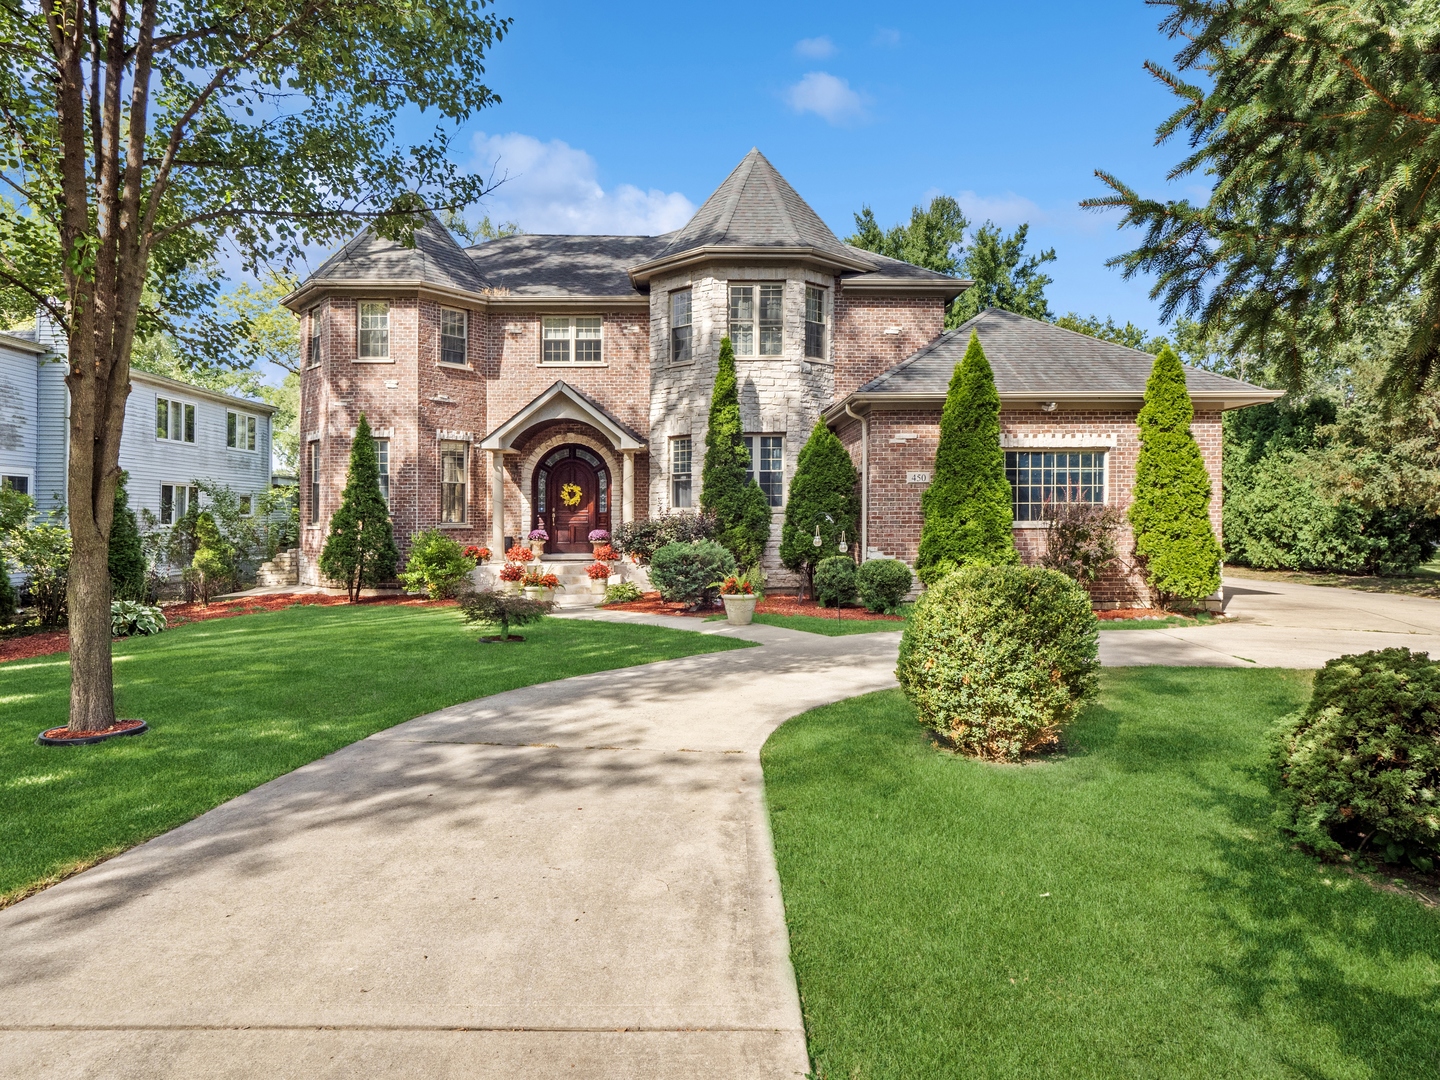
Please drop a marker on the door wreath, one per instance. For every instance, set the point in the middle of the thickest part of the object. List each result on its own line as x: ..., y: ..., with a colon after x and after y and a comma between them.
x: 570, y: 494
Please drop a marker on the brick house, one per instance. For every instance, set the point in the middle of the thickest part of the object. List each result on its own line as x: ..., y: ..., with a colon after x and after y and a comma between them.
x: 498, y: 379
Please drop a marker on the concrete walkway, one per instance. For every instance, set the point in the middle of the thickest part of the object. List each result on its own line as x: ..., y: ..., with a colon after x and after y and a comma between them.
x: 573, y: 879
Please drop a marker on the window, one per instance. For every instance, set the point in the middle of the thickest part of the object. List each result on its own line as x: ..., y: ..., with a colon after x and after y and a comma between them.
x: 814, y: 322
x: 563, y: 337
x: 453, y: 336
x: 452, y: 482
x: 771, y: 465
x: 240, y: 430
x: 680, y: 327
x: 680, y: 473
x: 176, y: 500
x: 18, y: 484
x: 743, y: 322
x: 374, y: 330
x: 382, y: 456
x: 247, y: 505
x: 312, y: 354
x: 314, y: 483
x: 1040, y: 478
x: 174, y: 420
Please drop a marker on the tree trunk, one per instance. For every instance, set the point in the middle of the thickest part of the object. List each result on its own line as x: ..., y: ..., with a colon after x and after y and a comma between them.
x: 92, y: 686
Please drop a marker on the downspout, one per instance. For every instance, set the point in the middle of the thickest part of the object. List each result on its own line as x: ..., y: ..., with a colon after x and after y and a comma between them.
x: 864, y: 481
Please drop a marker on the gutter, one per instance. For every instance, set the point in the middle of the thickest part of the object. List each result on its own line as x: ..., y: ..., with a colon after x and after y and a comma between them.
x: 864, y: 481
x: 1239, y: 399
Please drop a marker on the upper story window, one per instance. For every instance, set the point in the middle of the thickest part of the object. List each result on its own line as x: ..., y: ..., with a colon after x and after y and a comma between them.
x: 240, y: 430
x: 1039, y: 479
x: 767, y: 465
x: 382, y: 458
x: 454, y: 336
x: 374, y: 336
x: 572, y: 340
x: 680, y: 326
x: 681, y: 457
x: 312, y: 347
x: 757, y: 322
x: 815, y: 322
x: 174, y: 420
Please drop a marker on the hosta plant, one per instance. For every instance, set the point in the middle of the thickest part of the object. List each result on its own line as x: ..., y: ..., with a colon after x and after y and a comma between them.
x: 129, y: 618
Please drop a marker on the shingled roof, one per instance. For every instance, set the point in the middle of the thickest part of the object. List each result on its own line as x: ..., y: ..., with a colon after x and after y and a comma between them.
x: 1039, y: 360
x: 548, y: 265
x: 435, y: 259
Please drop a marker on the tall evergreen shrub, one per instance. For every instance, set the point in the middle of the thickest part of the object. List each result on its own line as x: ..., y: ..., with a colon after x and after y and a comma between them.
x: 967, y: 507
x: 742, y: 513
x: 822, y: 495
x: 360, y: 550
x: 1170, y: 514
x: 127, y: 557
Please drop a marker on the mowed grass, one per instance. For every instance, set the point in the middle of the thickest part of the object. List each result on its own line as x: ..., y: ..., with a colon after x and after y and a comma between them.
x: 818, y: 624
x: 235, y: 702
x: 1123, y: 910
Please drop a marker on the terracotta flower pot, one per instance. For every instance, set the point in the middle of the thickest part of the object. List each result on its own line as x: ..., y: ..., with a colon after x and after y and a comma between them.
x: 739, y: 609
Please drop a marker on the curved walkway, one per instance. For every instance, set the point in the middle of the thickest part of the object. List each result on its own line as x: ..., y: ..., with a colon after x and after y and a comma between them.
x: 573, y: 879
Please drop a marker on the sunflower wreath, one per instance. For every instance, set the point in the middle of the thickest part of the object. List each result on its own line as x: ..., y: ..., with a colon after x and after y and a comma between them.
x: 570, y: 494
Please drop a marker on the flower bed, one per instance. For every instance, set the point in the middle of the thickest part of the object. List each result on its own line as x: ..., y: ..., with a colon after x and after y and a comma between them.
x: 652, y: 604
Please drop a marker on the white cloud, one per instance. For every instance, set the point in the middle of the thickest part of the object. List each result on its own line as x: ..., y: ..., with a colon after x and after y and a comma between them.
x: 827, y: 96
x: 887, y: 37
x: 550, y: 187
x: 817, y: 48
x: 1006, y: 210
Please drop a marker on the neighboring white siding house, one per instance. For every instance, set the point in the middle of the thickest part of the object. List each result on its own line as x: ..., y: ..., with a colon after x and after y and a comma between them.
x: 19, y: 412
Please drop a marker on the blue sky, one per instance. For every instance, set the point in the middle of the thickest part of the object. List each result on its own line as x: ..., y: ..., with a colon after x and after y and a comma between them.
x: 623, y: 119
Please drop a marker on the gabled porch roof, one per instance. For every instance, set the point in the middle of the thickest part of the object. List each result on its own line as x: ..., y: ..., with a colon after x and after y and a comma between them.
x: 561, y: 401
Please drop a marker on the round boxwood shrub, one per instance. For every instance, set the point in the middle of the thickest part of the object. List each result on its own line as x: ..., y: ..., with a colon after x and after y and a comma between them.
x: 997, y: 660
x: 437, y: 567
x: 883, y: 583
x: 684, y: 573
x: 1360, y: 764
x: 835, y: 581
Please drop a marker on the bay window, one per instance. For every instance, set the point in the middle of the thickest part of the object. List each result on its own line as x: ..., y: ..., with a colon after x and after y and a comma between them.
x: 757, y: 321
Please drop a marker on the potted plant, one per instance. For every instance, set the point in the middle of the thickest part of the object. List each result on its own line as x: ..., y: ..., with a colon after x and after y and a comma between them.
x: 598, y: 538
x: 539, y: 585
x: 538, y: 539
x: 511, y: 573
x: 606, y: 553
x: 739, y: 595
x: 599, y: 574
x: 481, y: 555
x: 518, y: 553
x: 548, y: 584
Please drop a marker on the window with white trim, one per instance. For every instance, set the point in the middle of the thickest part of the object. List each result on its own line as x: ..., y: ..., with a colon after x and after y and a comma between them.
x: 240, y: 430
x: 1040, y: 479
x: 382, y: 458
x: 815, y: 322
x: 454, y: 336
x: 174, y: 420
x: 769, y: 467
x: 314, y: 507
x: 569, y: 339
x: 312, y: 353
x: 757, y: 321
x: 680, y: 326
x: 176, y: 500
x: 681, y: 458
x: 373, y: 340
x: 453, y: 460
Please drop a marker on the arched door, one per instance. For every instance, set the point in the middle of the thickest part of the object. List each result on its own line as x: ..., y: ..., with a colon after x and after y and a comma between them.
x: 572, y: 497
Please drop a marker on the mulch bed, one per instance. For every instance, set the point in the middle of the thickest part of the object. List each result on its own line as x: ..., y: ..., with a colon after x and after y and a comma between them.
x: 29, y: 646
x: 652, y: 604
x: 114, y: 729
x: 1133, y: 613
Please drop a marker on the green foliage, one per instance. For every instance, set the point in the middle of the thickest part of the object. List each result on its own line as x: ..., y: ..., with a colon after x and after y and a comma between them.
x: 478, y: 232
x: 882, y: 584
x: 214, y: 562
x: 639, y: 539
x: 360, y: 550
x: 835, y: 581
x: 127, y: 557
x: 684, y: 573
x: 15, y: 510
x: 1129, y: 335
x: 967, y: 507
x: 1005, y: 277
x: 741, y: 510
x: 997, y: 660
x: 1170, y: 509
x: 503, y: 608
x: 934, y: 237
x: 1313, y: 128
x: 822, y: 495
x: 437, y: 567
x: 622, y: 592
x: 1361, y: 761
x: 130, y: 618
x: 40, y: 550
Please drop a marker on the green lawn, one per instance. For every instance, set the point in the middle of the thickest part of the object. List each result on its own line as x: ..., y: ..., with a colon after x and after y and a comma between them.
x: 1123, y: 910
x: 817, y: 624
x: 235, y: 702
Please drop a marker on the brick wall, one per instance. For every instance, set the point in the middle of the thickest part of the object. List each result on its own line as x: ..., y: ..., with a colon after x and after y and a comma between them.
x: 863, y: 349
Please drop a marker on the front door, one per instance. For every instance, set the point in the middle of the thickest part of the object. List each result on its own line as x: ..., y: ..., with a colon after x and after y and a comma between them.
x: 571, y: 499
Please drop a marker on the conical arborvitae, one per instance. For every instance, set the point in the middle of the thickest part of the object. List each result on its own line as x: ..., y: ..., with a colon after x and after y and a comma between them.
x: 822, y: 495
x: 967, y: 508
x: 127, y: 556
x: 742, y: 513
x: 360, y: 550
x: 1170, y: 514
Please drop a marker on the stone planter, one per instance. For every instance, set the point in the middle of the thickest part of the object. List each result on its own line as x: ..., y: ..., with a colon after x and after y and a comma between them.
x: 598, y: 585
x: 512, y: 586
x: 534, y: 592
x: 739, y: 609
x: 538, y: 547
x: 595, y: 546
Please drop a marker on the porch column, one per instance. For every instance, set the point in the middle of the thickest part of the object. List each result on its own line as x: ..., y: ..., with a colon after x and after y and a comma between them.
x: 497, y: 504
x: 627, y: 489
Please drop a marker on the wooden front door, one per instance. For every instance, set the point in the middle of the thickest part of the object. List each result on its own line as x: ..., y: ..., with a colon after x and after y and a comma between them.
x: 572, y: 502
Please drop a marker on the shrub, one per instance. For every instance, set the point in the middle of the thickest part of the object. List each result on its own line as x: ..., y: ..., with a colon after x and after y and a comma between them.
x: 126, y: 556
x: 503, y: 610
x: 641, y: 539
x: 742, y: 512
x: 213, y: 565
x: 684, y: 572
x: 9, y: 601
x: 883, y: 583
x: 360, y: 549
x: 128, y: 618
x: 835, y: 581
x: 822, y: 495
x: 1361, y: 761
x: 1080, y: 541
x: 41, y: 551
x: 624, y: 592
x: 997, y: 660
x: 438, y: 565
x: 598, y: 571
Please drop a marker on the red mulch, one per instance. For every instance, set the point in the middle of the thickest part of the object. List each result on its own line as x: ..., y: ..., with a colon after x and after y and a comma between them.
x: 651, y: 604
x: 119, y: 725
x: 1133, y: 613
x: 30, y: 646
